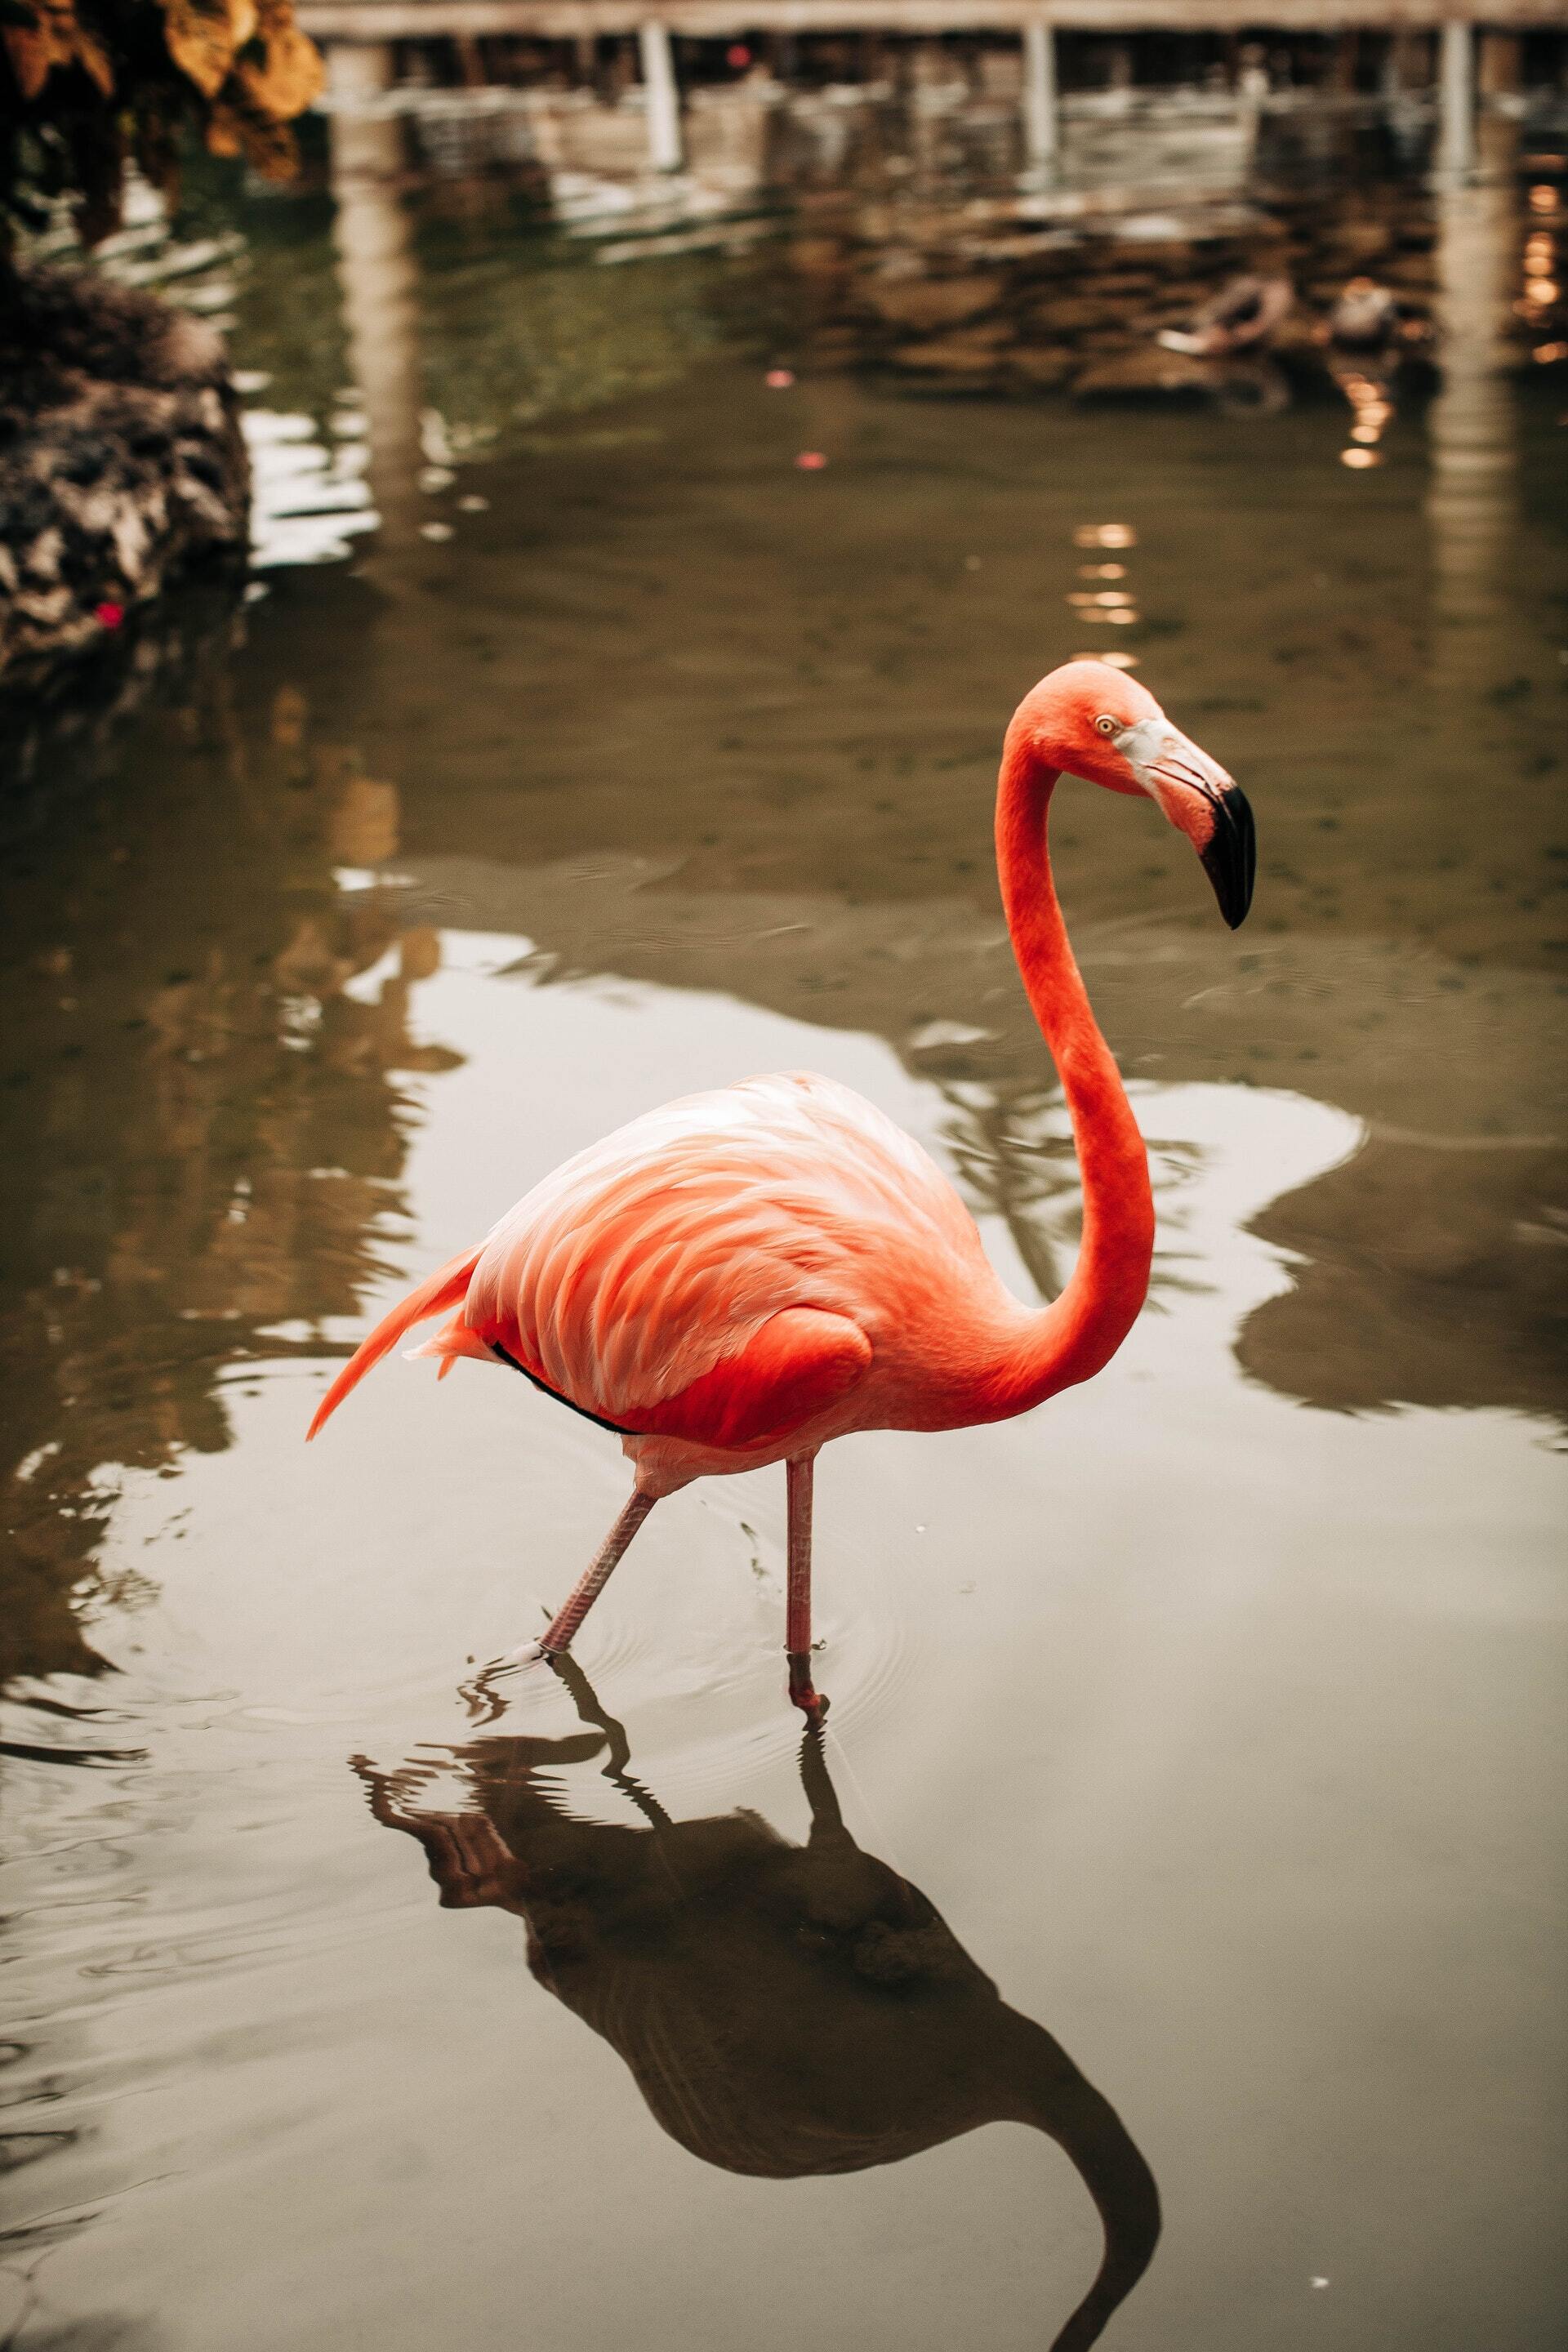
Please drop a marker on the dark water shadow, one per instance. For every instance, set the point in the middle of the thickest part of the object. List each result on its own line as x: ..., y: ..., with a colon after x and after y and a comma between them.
x: 786, y: 2010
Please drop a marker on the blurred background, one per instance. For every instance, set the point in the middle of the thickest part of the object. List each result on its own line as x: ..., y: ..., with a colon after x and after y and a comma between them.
x: 514, y: 566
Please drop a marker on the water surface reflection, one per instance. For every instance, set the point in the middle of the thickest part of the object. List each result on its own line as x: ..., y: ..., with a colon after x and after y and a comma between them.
x: 785, y: 2010
x: 621, y: 757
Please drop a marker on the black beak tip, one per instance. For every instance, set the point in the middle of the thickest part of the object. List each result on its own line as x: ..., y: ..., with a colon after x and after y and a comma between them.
x: 1230, y: 861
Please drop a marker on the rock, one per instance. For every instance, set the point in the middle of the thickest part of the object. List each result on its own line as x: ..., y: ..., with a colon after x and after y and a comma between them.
x: 1296, y: 337
x: 925, y: 304
x: 121, y: 462
x: 1068, y: 314
x: 1042, y: 367
x: 1143, y: 375
x: 1417, y: 270
x: 816, y: 257
x: 1168, y: 257
x: 1359, y: 240
x: 973, y: 350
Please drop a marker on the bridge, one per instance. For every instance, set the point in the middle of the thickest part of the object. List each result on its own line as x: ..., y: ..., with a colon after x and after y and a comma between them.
x: 358, y: 34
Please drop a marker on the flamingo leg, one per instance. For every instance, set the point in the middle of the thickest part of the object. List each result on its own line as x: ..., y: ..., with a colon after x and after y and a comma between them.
x: 797, y: 1601
x: 566, y: 1619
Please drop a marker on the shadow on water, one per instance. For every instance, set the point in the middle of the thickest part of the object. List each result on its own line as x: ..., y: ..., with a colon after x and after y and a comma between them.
x: 786, y: 2010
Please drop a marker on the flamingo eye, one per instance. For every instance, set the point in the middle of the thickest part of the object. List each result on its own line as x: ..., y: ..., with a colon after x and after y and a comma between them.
x: 1107, y: 726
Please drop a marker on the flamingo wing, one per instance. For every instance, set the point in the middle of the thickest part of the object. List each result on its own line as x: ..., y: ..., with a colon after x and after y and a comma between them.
x: 646, y: 1276
x: 797, y: 1364
x: 720, y: 1270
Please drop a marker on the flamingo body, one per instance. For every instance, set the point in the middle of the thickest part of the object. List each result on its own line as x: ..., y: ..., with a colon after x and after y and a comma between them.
x: 739, y: 1277
x: 735, y: 1277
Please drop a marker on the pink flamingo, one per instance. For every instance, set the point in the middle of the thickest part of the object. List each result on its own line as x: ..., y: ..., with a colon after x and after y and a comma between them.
x: 735, y: 1278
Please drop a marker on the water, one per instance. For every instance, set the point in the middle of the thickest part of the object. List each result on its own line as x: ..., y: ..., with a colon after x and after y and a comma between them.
x: 1208, y: 1713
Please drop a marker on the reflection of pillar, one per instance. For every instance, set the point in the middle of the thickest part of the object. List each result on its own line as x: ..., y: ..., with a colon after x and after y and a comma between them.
x: 376, y: 273
x: 1040, y: 135
x: 1457, y: 98
x: 663, y: 98
x: 1500, y: 62
x: 1471, y: 504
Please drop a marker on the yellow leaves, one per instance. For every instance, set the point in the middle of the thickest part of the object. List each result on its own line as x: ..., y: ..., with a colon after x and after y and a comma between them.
x: 223, y: 131
x: 250, y: 53
x: 276, y: 78
x: 291, y: 75
x: 238, y: 70
x: 202, y: 38
x: 278, y: 70
x: 55, y: 38
x: 94, y: 56
x: 267, y: 144
x: 36, y: 48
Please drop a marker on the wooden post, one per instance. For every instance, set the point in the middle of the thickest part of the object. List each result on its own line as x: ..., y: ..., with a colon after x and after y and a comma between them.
x: 1457, y: 98
x: 663, y: 98
x: 1040, y: 131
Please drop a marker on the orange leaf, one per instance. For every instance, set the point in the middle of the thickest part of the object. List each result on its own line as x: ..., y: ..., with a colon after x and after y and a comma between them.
x: 200, y: 38
x: 223, y: 131
x: 36, y: 48
x: 268, y: 146
x: 32, y: 54
x: 94, y: 59
x: 291, y: 77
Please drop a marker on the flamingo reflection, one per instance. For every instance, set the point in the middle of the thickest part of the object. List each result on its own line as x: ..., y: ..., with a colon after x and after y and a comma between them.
x: 784, y: 2010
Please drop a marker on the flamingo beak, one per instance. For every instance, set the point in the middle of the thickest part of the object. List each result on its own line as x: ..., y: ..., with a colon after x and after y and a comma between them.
x: 1201, y: 800
x: 1230, y: 858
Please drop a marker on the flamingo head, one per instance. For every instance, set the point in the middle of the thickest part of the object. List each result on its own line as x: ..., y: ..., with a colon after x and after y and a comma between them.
x: 1095, y: 721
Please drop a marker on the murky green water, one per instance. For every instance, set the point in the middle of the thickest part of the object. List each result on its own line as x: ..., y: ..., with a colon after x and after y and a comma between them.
x: 1213, y: 1707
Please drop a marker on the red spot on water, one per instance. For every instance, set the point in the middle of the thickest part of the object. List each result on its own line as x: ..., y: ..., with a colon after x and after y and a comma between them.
x: 811, y: 461
x: 109, y: 616
x: 779, y: 379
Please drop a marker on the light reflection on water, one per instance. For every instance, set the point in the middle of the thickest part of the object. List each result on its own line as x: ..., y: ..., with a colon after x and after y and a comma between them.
x: 1211, y: 1701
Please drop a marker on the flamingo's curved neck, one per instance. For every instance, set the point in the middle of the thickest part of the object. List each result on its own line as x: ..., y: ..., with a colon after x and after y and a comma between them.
x: 1082, y: 1329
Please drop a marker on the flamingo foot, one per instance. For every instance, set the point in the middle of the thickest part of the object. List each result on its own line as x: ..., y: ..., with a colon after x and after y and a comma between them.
x: 482, y: 1694
x: 802, y: 1694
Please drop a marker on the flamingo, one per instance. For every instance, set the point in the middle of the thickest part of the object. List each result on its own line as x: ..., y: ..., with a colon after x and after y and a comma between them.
x: 733, y: 1279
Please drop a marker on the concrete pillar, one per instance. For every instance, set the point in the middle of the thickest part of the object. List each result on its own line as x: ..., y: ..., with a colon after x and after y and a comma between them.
x: 1457, y: 98
x: 359, y: 73
x: 1041, y: 135
x: 1472, y: 499
x: 377, y: 279
x: 663, y: 98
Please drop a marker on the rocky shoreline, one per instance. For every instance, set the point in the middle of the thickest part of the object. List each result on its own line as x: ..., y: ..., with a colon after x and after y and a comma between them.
x: 995, y: 306
x: 122, y: 465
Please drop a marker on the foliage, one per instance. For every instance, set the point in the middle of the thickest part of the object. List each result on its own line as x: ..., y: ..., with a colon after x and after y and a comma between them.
x: 88, y: 86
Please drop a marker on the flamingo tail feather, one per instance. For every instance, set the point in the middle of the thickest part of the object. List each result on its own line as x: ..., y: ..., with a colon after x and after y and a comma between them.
x: 445, y: 1287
